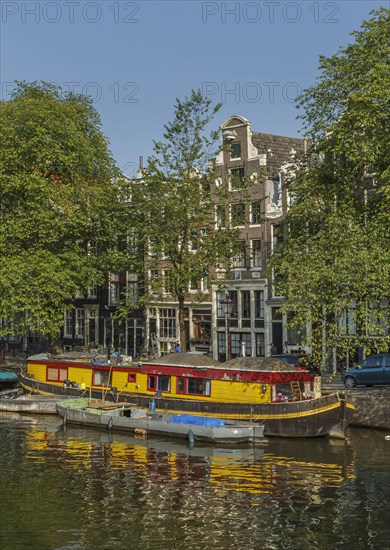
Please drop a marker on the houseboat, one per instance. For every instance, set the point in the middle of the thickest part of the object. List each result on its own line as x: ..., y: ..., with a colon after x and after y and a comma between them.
x: 286, y: 399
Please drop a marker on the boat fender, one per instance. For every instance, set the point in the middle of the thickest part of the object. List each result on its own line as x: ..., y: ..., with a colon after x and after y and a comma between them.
x: 191, y: 438
x: 109, y: 425
x: 140, y: 431
x: 152, y: 405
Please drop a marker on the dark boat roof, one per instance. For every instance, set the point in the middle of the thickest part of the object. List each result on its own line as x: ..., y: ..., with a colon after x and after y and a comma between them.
x: 258, y: 363
x: 185, y: 360
x: 268, y: 364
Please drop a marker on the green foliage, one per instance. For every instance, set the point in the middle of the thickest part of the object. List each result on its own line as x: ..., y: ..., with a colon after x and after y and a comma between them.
x: 59, y: 205
x: 174, y: 206
x: 334, y: 263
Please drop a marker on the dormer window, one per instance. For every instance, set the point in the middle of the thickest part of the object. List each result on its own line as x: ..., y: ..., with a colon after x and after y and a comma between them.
x: 235, y: 150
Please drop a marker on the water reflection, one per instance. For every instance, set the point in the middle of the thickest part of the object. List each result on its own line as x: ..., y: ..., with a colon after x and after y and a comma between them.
x: 83, y: 488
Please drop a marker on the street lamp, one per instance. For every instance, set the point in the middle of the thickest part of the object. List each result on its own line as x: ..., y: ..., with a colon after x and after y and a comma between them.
x: 227, y: 303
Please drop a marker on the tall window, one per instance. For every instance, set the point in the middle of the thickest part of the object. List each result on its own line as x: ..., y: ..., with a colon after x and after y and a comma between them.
x: 259, y: 304
x: 240, y: 259
x: 238, y: 214
x: 220, y: 216
x: 194, y: 284
x: 255, y: 213
x: 245, y: 304
x: 256, y: 253
x: 167, y: 323
x: 68, y: 324
x: 132, y: 292
x: 236, y: 177
x: 235, y: 150
x: 79, y: 332
x: 260, y: 348
x: 220, y: 307
x: 92, y: 292
x: 193, y: 244
x: 277, y: 190
x: 168, y: 281
x: 114, y: 290
x: 233, y: 295
x: 235, y: 344
x: 246, y: 344
x: 221, y: 337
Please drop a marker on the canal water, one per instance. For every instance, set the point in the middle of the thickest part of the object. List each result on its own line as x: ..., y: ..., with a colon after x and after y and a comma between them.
x: 86, y: 489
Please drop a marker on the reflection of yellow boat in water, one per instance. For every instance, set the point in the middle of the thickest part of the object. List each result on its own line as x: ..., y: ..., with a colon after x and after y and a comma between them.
x: 260, y: 470
x: 275, y: 468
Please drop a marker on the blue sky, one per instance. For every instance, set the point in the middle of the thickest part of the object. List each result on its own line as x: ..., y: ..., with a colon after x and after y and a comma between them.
x: 136, y: 58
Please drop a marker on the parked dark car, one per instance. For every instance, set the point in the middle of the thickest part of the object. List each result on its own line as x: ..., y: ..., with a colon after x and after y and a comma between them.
x: 373, y: 370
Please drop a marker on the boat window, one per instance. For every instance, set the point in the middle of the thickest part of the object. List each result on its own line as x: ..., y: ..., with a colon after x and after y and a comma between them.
x: 57, y: 374
x: 159, y: 383
x: 288, y: 391
x: 181, y: 385
x: 163, y: 383
x: 101, y: 378
x: 151, y: 383
x: 132, y: 377
x: 198, y: 386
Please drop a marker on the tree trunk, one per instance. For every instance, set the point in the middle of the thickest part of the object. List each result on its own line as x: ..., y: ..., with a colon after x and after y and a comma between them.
x: 182, y: 326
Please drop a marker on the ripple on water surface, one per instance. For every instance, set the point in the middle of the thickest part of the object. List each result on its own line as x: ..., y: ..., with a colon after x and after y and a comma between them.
x: 88, y: 489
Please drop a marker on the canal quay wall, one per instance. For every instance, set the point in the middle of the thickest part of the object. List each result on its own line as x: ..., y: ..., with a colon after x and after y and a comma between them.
x: 372, y: 404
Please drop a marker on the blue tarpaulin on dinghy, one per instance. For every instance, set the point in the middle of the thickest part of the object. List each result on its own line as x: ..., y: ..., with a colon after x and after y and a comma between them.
x: 197, y: 420
x: 8, y: 377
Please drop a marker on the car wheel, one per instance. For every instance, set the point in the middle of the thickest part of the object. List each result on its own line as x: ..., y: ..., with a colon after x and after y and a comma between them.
x: 349, y: 382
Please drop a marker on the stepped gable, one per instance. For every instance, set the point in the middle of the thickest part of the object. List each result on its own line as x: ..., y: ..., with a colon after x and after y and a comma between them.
x: 185, y: 360
x: 259, y: 363
x: 277, y: 148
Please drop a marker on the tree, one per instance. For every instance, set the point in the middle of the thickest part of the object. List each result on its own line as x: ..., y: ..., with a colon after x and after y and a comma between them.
x: 333, y: 265
x: 174, y: 203
x: 59, y: 205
